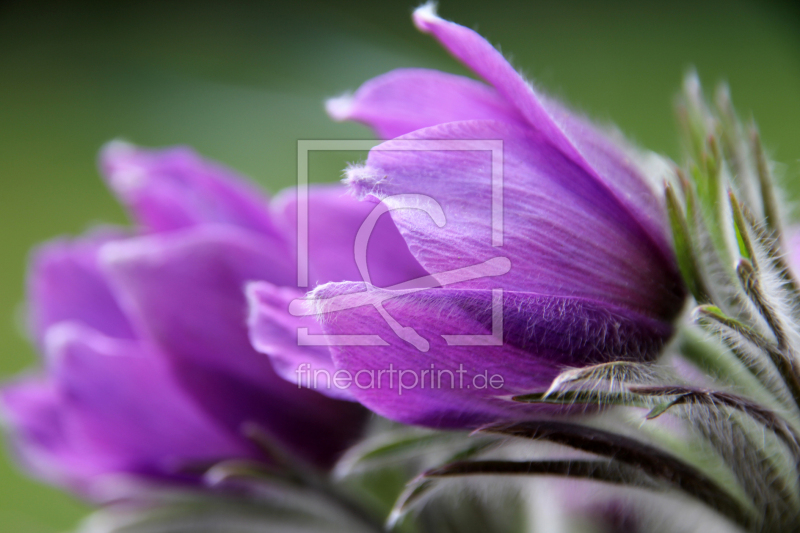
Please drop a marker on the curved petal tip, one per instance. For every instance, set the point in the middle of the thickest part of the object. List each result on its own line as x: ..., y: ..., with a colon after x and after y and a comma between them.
x: 340, y: 108
x: 425, y: 15
x: 116, y: 149
x: 362, y: 180
x: 58, y: 338
x: 117, y: 163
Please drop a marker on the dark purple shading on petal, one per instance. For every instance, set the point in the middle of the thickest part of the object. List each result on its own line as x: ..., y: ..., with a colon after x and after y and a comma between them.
x: 174, y: 188
x: 542, y: 335
x: 564, y: 233
x: 334, y: 218
x: 185, y: 291
x: 65, y: 283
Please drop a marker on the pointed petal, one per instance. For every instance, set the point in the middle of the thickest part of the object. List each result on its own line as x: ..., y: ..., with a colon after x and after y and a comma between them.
x: 334, y: 219
x: 564, y: 233
x: 175, y: 188
x: 405, y: 100
x: 449, y: 385
x: 65, y: 283
x: 186, y: 292
x: 577, y: 138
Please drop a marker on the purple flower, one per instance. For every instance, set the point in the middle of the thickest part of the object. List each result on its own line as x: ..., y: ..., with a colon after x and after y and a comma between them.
x: 148, y: 368
x: 592, y: 276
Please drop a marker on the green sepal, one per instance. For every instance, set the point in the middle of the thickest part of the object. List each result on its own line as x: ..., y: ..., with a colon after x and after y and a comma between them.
x: 687, y: 261
x: 740, y: 226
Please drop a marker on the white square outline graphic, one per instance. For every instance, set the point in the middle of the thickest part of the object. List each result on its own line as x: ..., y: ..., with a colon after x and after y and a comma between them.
x: 495, y: 146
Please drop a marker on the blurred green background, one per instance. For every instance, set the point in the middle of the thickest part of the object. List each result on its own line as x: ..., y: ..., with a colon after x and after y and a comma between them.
x: 243, y: 81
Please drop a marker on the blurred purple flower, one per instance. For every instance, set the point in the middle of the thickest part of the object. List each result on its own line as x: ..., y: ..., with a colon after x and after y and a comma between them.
x: 148, y: 365
x: 593, y: 276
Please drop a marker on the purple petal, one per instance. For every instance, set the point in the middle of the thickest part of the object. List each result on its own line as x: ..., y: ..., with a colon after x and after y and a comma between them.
x: 542, y: 335
x: 610, y: 164
x: 111, y: 407
x: 186, y: 292
x: 30, y: 412
x: 65, y: 283
x: 334, y: 218
x: 564, y: 233
x: 175, y: 188
x: 274, y: 332
x: 128, y: 404
x: 405, y: 100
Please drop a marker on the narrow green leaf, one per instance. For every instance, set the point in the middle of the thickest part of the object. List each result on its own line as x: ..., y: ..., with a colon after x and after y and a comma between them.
x: 659, y: 410
x: 579, y: 396
x: 770, y: 202
x: 752, y: 286
x: 776, y: 254
x: 414, y: 493
x: 401, y: 446
x: 687, y: 261
x: 713, y: 167
x: 735, y: 149
x: 742, y: 237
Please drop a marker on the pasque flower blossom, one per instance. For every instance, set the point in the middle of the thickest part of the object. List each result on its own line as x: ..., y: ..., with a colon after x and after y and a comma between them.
x: 148, y: 368
x: 592, y: 278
